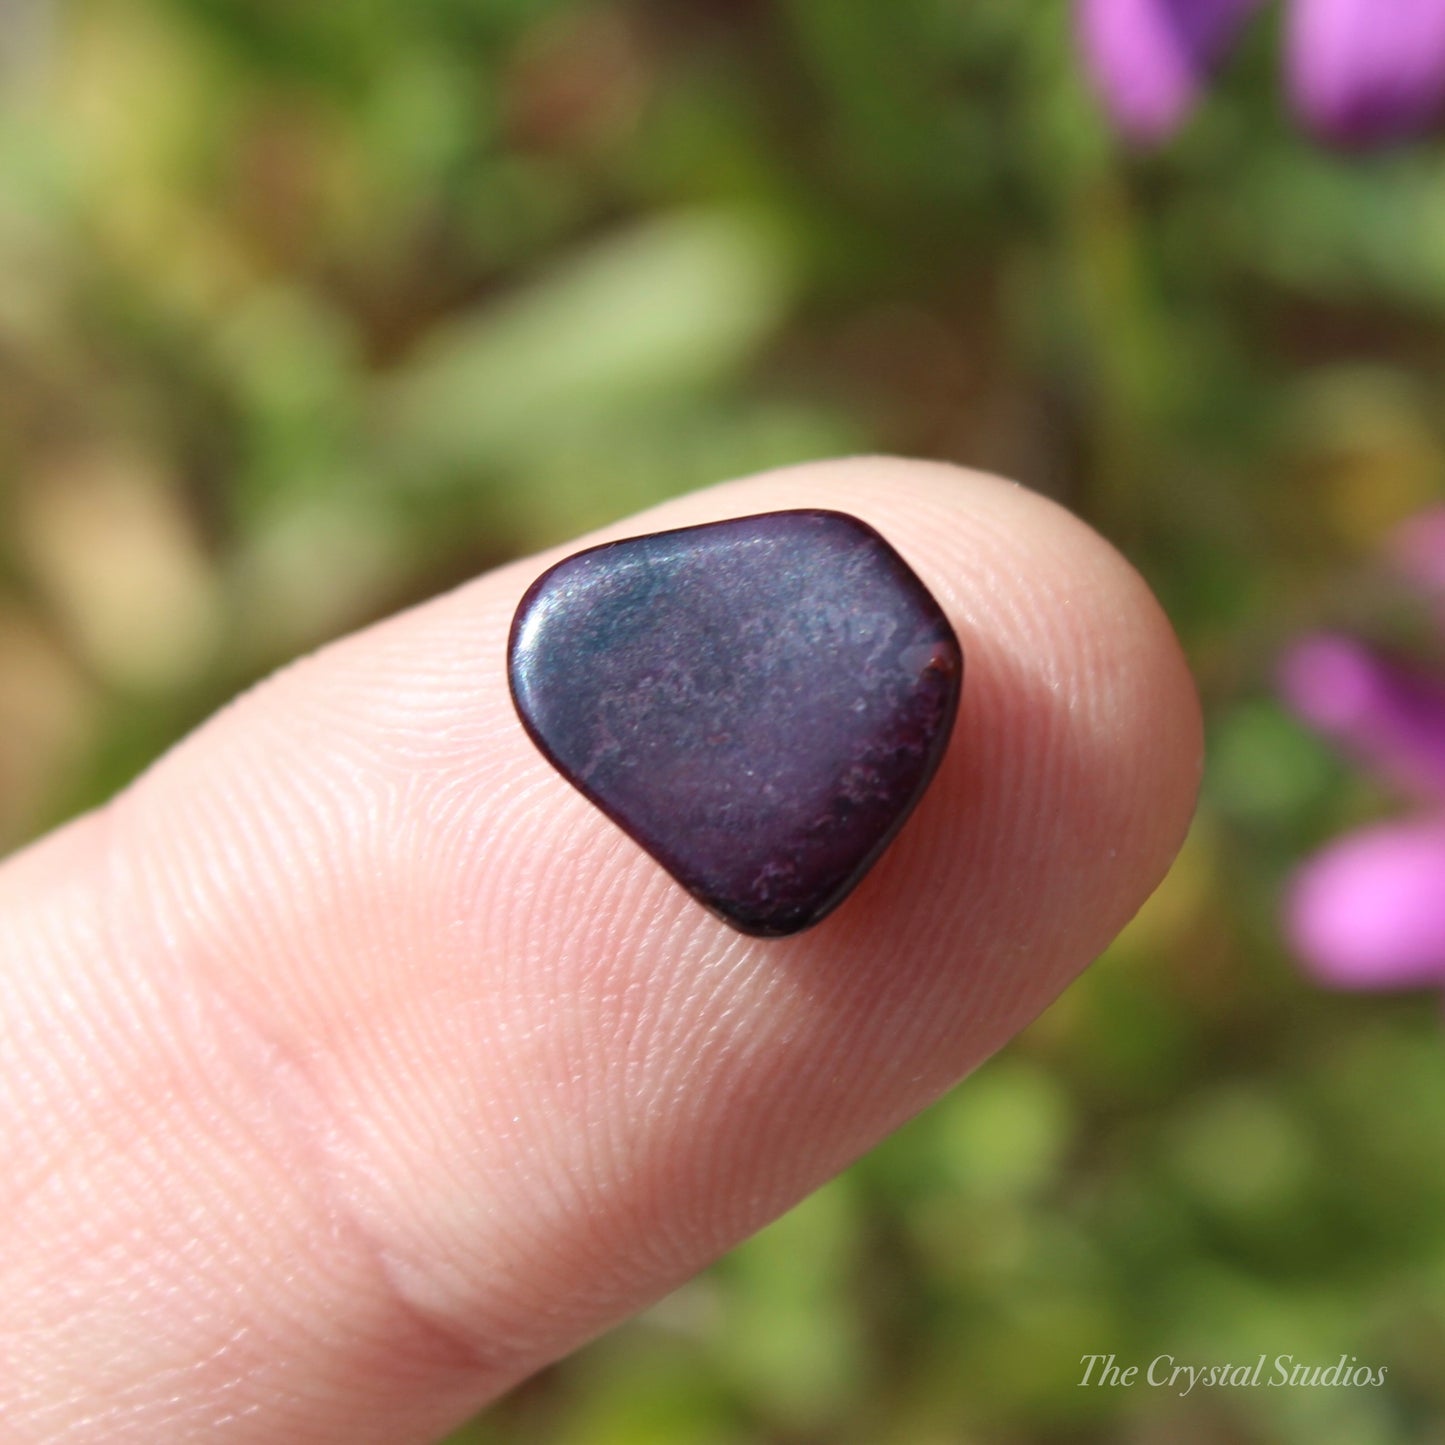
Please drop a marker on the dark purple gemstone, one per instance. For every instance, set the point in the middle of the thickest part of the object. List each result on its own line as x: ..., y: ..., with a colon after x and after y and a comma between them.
x: 759, y: 703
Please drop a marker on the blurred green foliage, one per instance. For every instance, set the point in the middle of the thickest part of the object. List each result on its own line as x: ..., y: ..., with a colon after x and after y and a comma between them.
x: 311, y: 310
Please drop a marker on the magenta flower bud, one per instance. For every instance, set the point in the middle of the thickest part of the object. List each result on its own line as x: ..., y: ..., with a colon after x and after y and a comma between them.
x: 1366, y: 71
x: 1151, y: 59
x: 1369, y: 912
x: 1391, y: 717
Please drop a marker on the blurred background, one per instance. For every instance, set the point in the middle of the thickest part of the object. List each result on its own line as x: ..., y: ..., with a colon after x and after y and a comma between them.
x: 308, y: 311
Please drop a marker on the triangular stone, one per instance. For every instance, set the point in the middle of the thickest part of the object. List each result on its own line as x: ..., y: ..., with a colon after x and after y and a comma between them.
x: 759, y: 703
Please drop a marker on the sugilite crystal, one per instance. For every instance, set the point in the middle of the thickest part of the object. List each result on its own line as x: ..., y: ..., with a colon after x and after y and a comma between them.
x: 759, y: 703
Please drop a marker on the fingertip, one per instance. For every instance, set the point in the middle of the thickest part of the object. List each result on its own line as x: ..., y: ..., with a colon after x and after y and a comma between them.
x: 543, y: 1085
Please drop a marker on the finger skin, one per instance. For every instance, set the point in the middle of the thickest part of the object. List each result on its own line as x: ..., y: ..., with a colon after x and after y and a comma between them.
x: 361, y: 1067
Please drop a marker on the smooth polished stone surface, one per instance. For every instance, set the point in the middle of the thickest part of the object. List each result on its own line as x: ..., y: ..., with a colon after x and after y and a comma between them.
x: 759, y: 703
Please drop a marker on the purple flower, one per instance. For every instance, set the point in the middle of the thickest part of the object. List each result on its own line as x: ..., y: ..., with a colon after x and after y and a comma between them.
x: 1369, y: 911
x: 1153, y: 58
x: 1390, y: 715
x: 1360, y: 72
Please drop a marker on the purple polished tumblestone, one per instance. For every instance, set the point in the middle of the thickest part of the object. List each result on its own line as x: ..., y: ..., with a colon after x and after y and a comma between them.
x: 759, y: 703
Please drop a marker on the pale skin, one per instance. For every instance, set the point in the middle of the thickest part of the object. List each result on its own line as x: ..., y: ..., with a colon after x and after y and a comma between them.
x: 353, y: 1067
